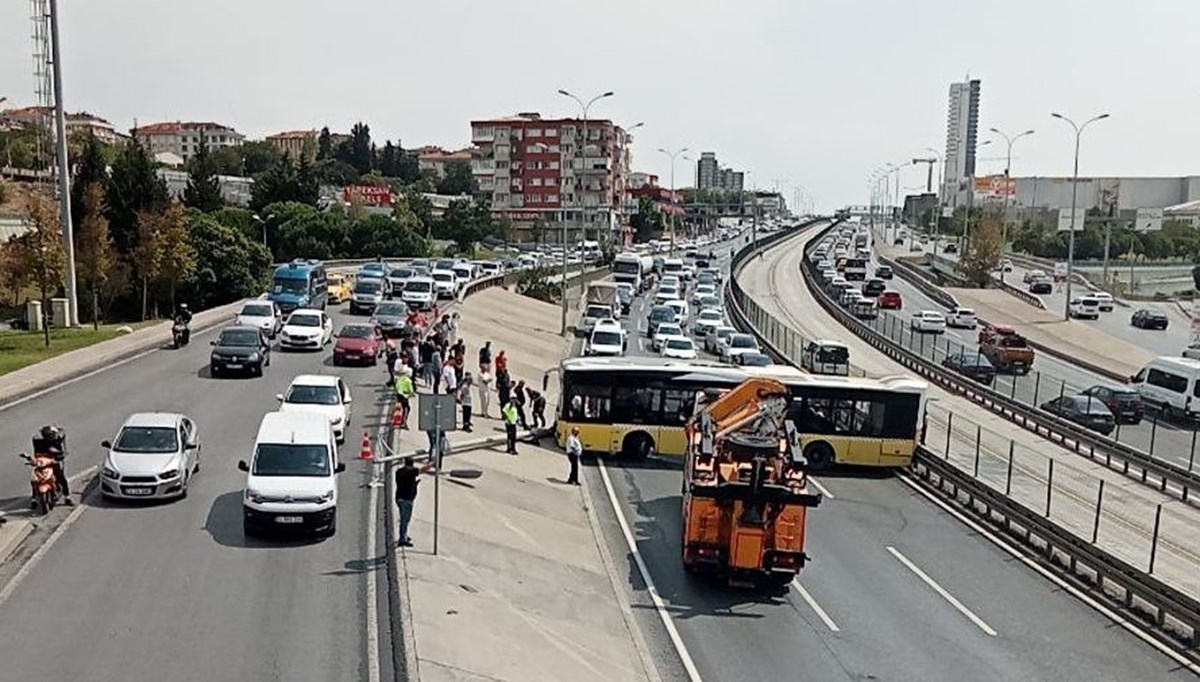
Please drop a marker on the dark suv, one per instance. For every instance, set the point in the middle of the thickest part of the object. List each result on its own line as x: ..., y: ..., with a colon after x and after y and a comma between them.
x: 1086, y: 411
x: 873, y: 287
x: 1124, y: 402
x: 973, y: 365
x: 883, y: 272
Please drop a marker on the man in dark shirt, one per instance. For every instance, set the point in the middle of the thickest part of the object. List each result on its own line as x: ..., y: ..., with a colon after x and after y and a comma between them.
x: 407, y: 478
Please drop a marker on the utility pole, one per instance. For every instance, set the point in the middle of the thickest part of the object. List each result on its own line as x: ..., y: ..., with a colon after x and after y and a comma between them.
x: 64, y: 168
x: 1007, y: 177
x: 1074, y: 195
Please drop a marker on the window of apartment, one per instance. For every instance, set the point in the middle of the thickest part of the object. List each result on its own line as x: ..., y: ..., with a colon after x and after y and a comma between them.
x: 553, y: 165
x: 501, y: 133
x: 535, y: 182
x: 554, y: 149
x: 566, y: 182
x: 501, y: 164
x: 533, y: 198
x: 552, y: 198
x: 502, y: 198
x: 533, y: 132
x: 483, y: 133
x: 551, y: 132
x: 533, y: 148
x: 568, y: 131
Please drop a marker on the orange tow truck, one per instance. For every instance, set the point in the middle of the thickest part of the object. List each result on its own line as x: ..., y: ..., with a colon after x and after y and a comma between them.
x: 1006, y: 349
x: 745, y: 497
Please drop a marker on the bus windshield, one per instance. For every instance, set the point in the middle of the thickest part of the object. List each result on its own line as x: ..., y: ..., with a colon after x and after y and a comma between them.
x: 291, y: 286
x: 626, y: 267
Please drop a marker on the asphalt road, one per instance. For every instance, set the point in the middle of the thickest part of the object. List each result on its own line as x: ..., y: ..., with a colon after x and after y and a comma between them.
x: 1050, y: 377
x: 878, y: 618
x: 146, y: 592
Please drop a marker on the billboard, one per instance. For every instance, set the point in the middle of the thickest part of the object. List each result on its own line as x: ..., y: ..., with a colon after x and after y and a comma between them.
x: 368, y: 195
x: 1064, y: 219
x: 995, y: 186
x: 1148, y: 220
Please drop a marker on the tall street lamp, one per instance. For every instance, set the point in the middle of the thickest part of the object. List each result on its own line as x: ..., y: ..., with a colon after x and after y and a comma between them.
x: 584, y: 106
x: 1074, y: 191
x: 672, y: 156
x: 937, y: 219
x: 1007, y: 176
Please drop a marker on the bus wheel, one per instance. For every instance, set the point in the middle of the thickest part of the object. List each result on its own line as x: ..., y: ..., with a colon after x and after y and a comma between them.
x: 819, y: 456
x: 637, y: 446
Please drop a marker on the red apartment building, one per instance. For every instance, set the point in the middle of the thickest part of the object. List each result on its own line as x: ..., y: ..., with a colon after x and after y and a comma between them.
x: 535, y: 168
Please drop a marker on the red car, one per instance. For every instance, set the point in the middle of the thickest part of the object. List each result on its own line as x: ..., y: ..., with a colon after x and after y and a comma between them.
x: 356, y: 343
x: 890, y: 300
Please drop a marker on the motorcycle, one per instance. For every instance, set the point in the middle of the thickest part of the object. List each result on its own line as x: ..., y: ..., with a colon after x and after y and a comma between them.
x: 43, y: 481
x: 180, y: 334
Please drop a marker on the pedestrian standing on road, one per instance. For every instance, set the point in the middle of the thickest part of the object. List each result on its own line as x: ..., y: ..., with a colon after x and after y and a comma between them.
x: 391, y: 356
x: 485, y: 357
x: 465, y: 400
x: 501, y: 363
x: 405, y: 390
x: 537, y: 408
x: 574, y: 452
x: 449, y: 377
x: 484, y: 385
x: 407, y: 478
x: 509, y: 413
x: 433, y: 370
x: 519, y: 401
x: 452, y: 328
x: 425, y: 355
x: 459, y: 353
x: 503, y: 385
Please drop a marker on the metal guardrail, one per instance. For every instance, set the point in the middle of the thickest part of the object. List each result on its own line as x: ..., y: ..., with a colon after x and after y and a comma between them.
x: 1082, y: 441
x: 1171, y: 616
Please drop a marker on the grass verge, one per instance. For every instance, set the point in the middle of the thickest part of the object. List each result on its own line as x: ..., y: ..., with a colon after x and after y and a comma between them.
x: 20, y: 349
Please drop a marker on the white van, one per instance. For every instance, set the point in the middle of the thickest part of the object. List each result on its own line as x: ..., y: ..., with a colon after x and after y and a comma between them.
x: 291, y: 483
x: 1170, y: 385
x: 1085, y: 307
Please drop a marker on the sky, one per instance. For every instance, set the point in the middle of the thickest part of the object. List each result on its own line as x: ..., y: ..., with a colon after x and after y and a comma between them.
x: 803, y: 94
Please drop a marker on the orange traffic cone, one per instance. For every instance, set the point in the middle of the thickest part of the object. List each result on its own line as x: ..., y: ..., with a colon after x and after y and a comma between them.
x: 366, y: 447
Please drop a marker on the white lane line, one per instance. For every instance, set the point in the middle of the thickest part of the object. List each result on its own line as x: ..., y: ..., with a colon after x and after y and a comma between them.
x: 659, y: 605
x: 372, y: 609
x: 41, y: 552
x: 1131, y: 627
x: 823, y: 489
x: 942, y: 591
x: 641, y: 346
x: 812, y: 604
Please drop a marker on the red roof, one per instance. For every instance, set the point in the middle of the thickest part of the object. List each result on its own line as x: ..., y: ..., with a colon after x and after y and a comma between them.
x: 170, y: 127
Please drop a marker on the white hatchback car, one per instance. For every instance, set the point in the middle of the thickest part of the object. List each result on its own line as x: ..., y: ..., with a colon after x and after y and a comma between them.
x: 306, y: 329
x: 962, y: 318
x: 664, y: 330
x: 929, y: 321
x: 679, y: 348
x: 707, y: 320
x: 321, y: 394
x: 153, y: 457
x: 261, y: 314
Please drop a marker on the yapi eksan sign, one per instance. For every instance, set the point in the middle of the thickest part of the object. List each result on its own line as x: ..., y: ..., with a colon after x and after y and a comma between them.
x: 368, y: 195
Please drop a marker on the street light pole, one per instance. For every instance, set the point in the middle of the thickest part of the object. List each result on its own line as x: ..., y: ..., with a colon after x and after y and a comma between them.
x: 1074, y: 195
x: 583, y: 204
x: 674, y: 224
x: 937, y: 218
x: 1007, y: 177
x: 64, y: 168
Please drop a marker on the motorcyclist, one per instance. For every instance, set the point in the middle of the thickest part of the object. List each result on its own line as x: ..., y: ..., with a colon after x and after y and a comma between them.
x: 52, y: 439
x: 183, y: 320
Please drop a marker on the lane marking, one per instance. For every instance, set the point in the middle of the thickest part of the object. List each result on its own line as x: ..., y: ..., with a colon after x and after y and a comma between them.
x: 812, y: 604
x: 41, y: 552
x: 979, y: 622
x: 372, y: 610
x: 660, y: 606
x: 1053, y: 577
x: 641, y: 345
x: 823, y: 489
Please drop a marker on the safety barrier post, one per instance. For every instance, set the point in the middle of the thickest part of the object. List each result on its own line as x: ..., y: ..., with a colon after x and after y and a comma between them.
x: 1013, y: 396
x: 978, y: 437
x: 1096, y: 521
x: 1049, y: 487
x: 1154, y: 539
x: 1037, y: 385
x: 1008, y: 475
x: 1153, y: 434
x: 949, y: 431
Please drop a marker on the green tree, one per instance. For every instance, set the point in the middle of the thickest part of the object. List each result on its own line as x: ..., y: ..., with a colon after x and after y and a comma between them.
x: 203, y: 190
x: 648, y: 221
x: 335, y: 172
x: 467, y: 223
x: 389, y: 160
x: 324, y: 144
x: 380, y: 235
x: 94, y: 249
x: 240, y: 219
x: 357, y: 150
x: 227, y: 160
x: 229, y: 266
x: 259, y: 156
x: 285, y: 182
x: 147, y: 253
x: 983, y: 254
x: 459, y: 179
x: 133, y: 187
x: 178, y: 258
x: 408, y: 167
x: 40, y: 252
x: 90, y: 168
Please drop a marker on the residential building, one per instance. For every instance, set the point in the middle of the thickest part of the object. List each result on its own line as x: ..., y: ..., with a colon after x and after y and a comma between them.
x: 434, y: 159
x: 183, y: 138
x: 532, y: 168
x: 81, y: 122
x: 235, y: 190
x: 296, y: 143
x: 638, y: 180
x: 711, y: 175
x: 962, y: 121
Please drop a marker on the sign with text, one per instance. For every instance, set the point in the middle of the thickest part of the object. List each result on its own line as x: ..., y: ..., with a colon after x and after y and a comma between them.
x: 996, y: 186
x: 1148, y: 220
x: 1065, y: 222
x: 368, y: 195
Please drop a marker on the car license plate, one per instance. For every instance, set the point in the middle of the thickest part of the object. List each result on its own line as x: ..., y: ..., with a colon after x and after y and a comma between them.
x: 289, y: 519
x: 234, y: 365
x: 139, y: 491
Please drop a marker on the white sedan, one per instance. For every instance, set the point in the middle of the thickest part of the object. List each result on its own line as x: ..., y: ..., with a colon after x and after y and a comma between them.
x: 679, y: 348
x: 706, y: 321
x: 321, y: 394
x: 929, y: 321
x: 306, y: 329
x: 664, y: 330
x: 262, y: 315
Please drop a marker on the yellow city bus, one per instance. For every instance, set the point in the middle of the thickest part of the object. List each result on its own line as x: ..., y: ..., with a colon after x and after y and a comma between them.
x: 637, y: 406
